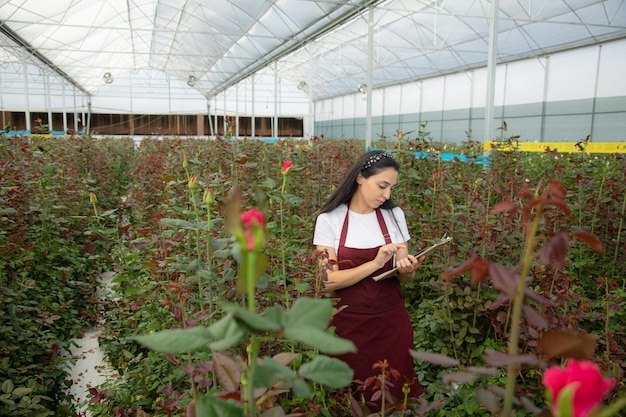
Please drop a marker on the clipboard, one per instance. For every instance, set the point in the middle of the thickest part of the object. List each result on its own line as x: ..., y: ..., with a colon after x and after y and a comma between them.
x: 444, y: 239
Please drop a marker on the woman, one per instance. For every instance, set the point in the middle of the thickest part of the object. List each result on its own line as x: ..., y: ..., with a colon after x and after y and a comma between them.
x: 364, y: 234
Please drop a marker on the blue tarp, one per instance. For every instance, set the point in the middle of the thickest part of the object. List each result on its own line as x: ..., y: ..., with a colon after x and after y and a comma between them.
x: 481, y: 159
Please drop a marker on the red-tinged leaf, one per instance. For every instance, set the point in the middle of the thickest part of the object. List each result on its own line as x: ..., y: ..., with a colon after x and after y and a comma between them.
x: 227, y: 371
x: 483, y: 371
x: 435, y: 358
x: 501, y: 359
x: 477, y: 265
x: 276, y: 411
x: 526, y: 192
x: 557, y: 190
x: 557, y: 203
x: 529, y: 293
x: 530, y: 406
x: 534, y: 318
x: 355, y: 406
x: 504, y: 207
x: 504, y: 280
x: 233, y: 212
x: 554, y: 252
x: 488, y: 399
x: 566, y: 344
x: 285, y: 358
x: 590, y: 240
x: 458, y: 378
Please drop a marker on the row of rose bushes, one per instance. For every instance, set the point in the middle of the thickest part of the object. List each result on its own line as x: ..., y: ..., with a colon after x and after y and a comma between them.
x: 157, y: 217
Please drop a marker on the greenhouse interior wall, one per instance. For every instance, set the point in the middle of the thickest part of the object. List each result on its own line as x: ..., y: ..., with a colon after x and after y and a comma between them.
x: 146, y: 102
x: 561, y: 97
x: 557, y: 98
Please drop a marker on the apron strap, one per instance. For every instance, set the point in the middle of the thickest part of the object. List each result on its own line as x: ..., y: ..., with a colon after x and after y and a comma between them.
x: 383, y: 226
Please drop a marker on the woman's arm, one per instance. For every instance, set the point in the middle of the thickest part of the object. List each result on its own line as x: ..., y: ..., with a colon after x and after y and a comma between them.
x: 337, y: 279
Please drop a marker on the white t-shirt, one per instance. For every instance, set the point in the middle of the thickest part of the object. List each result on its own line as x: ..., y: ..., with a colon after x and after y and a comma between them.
x: 363, y: 229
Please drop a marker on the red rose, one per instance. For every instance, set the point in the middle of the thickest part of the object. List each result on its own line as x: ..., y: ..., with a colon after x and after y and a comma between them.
x: 591, y: 386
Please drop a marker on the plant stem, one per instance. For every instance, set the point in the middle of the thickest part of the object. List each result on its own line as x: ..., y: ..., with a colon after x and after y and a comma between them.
x: 209, y: 260
x: 607, y: 317
x: 595, y: 211
x: 252, y: 347
x: 282, y: 242
x: 618, y: 238
x: 516, y: 318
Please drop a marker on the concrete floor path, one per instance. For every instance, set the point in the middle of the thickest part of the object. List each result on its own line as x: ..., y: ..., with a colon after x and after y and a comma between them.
x: 90, y: 368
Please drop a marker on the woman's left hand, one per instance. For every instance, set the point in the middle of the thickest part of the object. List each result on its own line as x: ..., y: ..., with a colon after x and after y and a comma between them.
x: 409, y: 264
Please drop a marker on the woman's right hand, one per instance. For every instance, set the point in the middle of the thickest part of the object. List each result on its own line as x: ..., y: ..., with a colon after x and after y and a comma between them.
x: 386, y: 252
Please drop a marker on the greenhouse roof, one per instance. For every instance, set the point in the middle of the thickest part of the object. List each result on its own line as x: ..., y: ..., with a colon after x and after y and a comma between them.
x: 213, y: 45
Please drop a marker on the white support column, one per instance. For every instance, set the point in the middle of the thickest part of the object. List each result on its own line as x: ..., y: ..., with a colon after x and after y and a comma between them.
x: 275, y: 124
x: 595, y: 92
x: 370, y: 58
x: 311, y: 108
x: 27, y: 94
x: 4, y: 119
x: 88, y: 115
x: 64, y: 108
x: 48, y: 104
x: 546, y: 84
x: 237, y: 111
x: 208, y: 113
x: 253, y: 106
x: 491, y: 68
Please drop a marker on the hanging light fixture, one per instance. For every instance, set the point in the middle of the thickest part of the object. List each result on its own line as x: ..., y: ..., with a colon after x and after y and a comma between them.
x: 107, y: 77
x: 362, y: 88
x: 302, y: 85
x: 191, y: 81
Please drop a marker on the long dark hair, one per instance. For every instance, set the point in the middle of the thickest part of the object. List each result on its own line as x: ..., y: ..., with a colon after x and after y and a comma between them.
x: 368, y: 164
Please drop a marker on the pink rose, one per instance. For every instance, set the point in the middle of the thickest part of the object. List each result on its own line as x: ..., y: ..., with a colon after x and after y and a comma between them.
x: 286, y: 167
x: 591, y: 386
x: 252, y: 220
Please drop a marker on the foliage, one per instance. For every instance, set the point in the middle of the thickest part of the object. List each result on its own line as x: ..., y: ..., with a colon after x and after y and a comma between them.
x: 177, y: 267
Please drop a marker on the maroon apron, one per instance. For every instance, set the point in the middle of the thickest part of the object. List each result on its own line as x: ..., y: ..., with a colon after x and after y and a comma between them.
x: 376, y: 320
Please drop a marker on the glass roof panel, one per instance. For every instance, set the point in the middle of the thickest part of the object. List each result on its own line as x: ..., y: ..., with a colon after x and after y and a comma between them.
x: 323, y: 42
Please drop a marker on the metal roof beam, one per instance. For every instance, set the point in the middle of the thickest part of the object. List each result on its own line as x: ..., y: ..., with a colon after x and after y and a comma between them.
x: 256, y: 67
x: 6, y: 31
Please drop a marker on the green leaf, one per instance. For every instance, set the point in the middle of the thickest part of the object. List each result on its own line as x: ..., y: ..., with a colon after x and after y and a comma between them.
x: 6, y: 398
x: 278, y: 370
x: 176, y: 340
x: 309, y: 312
x: 320, y: 339
x: 252, y: 320
x: 302, y: 389
x: 7, y: 386
x: 210, y: 406
x: 226, y: 332
x: 328, y: 371
x: 21, y: 391
x: 177, y: 223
